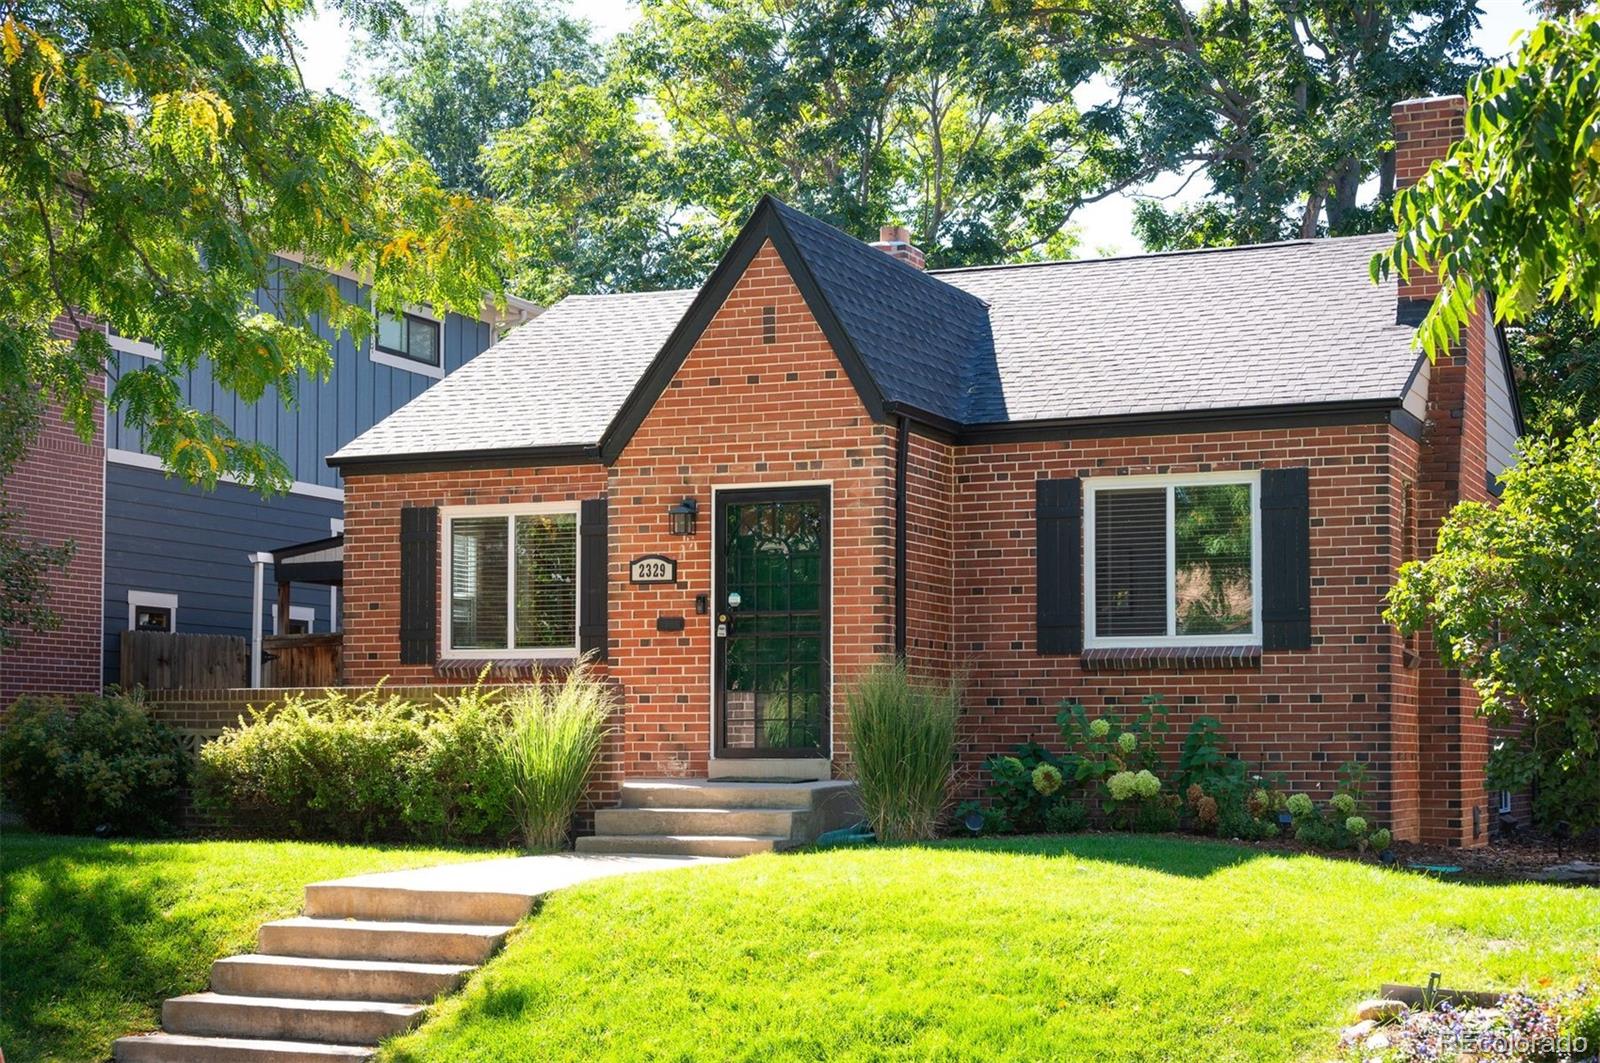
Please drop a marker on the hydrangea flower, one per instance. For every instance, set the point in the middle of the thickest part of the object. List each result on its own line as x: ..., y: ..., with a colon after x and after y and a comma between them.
x: 1344, y: 804
x: 1381, y: 839
x: 1146, y: 784
x: 1356, y: 825
x: 1127, y: 741
x: 1047, y: 779
x: 1121, y: 785
x: 1100, y: 728
x: 1300, y: 805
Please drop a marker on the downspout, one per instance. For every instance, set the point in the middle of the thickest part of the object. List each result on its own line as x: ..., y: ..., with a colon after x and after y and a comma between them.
x: 259, y: 562
x: 902, y: 449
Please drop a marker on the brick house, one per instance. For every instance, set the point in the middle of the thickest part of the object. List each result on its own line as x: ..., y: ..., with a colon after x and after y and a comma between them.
x: 1191, y: 474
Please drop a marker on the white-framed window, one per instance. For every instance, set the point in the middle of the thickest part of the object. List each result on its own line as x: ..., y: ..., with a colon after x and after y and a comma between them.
x: 1505, y: 803
x: 510, y: 580
x: 152, y: 611
x: 142, y: 348
x: 1172, y: 560
x: 302, y: 620
x: 413, y: 341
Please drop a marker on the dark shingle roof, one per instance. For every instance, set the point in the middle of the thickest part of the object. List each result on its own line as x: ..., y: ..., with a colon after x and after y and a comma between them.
x: 915, y: 334
x: 1295, y: 322
x: 1278, y: 324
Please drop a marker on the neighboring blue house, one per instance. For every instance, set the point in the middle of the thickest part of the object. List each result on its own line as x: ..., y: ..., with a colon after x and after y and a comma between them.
x: 177, y: 557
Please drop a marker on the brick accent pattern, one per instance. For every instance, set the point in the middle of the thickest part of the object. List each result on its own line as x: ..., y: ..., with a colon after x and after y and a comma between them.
x: 58, y: 491
x: 1154, y: 658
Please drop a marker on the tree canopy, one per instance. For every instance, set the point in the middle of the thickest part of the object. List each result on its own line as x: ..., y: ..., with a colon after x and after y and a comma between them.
x: 1512, y: 208
x: 451, y: 77
x: 154, y: 159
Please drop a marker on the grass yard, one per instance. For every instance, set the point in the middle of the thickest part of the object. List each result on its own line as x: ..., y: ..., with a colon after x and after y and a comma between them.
x: 95, y: 934
x: 1069, y: 948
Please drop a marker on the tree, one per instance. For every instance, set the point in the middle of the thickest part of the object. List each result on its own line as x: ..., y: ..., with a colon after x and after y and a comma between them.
x: 1282, y: 105
x: 1511, y: 209
x: 454, y: 77
x: 1512, y: 600
x: 1556, y: 352
x: 154, y: 158
x: 25, y: 563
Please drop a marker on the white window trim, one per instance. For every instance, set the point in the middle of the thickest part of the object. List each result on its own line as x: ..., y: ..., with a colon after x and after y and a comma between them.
x: 448, y: 515
x: 308, y: 613
x: 400, y: 361
x: 152, y: 600
x: 1094, y: 485
x: 1504, y: 805
x: 140, y: 348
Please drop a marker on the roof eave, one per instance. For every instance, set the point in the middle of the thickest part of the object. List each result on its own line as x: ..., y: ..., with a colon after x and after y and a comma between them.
x: 449, y: 460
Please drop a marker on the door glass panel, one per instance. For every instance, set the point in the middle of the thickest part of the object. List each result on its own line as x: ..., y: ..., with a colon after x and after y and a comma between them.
x: 773, y: 698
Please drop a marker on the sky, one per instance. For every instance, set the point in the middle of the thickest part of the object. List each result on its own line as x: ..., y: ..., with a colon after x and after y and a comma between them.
x: 1104, y: 227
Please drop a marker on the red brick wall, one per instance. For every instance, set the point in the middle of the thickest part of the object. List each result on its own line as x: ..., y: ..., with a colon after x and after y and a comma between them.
x: 59, y: 493
x: 741, y: 412
x: 1300, y: 713
x: 931, y: 505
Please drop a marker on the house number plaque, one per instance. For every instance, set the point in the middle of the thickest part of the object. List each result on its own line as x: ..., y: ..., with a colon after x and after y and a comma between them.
x: 653, y: 568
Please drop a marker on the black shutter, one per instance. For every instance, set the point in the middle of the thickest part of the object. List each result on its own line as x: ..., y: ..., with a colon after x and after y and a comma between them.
x: 1058, y: 589
x: 1285, y: 559
x: 592, y: 590
x: 419, y: 583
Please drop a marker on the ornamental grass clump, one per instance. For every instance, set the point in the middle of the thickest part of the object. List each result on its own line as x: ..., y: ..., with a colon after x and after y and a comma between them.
x: 550, y: 746
x: 902, y: 749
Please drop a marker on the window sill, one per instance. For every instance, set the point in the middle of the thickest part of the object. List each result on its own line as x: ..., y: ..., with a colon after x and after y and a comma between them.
x: 410, y: 365
x: 500, y: 668
x: 1158, y: 658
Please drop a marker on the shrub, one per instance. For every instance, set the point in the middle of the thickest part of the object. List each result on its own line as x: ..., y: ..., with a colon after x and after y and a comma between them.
x: 1066, y: 817
x: 550, y: 747
x: 1119, y: 762
x: 328, y: 765
x: 358, y: 766
x: 1512, y: 600
x: 1017, y: 802
x: 902, y: 749
x: 101, y: 761
x: 1341, y: 825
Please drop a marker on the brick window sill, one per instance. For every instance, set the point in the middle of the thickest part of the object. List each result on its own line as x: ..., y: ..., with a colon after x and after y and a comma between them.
x: 465, y: 668
x: 1159, y: 658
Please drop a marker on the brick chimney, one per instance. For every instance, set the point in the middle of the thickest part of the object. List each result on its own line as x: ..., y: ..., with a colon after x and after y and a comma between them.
x: 1424, y: 130
x: 1442, y: 748
x: 895, y: 240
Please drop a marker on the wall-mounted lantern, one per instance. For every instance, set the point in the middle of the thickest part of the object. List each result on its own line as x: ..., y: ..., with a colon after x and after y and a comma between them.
x: 682, y: 515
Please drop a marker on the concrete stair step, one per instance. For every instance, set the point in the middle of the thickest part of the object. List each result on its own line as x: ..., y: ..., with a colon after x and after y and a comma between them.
x: 681, y: 844
x: 186, y: 1048
x: 334, y: 979
x: 343, y: 1022
x: 335, y: 900
x: 361, y: 939
x: 700, y: 793
x: 760, y: 822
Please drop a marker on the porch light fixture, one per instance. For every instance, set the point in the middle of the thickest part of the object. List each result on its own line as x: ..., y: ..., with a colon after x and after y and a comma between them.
x: 682, y: 515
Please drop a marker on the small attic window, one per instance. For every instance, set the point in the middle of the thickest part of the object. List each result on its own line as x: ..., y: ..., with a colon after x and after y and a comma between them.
x: 769, y: 324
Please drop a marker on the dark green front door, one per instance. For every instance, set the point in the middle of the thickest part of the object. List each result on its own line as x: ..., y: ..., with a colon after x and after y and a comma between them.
x: 772, y: 623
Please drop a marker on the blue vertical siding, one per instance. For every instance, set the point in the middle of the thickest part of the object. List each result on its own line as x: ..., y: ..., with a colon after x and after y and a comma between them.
x: 166, y: 537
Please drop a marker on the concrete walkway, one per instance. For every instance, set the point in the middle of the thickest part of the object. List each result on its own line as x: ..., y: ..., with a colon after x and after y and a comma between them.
x: 524, y: 876
x: 365, y: 960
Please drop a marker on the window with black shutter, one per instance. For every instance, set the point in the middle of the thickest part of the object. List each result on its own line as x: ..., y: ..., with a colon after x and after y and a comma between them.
x: 1058, y: 566
x: 1286, y: 559
x: 419, y: 569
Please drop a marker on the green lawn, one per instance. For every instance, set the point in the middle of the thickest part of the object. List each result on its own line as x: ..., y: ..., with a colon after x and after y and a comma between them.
x: 95, y: 934
x: 1078, y: 948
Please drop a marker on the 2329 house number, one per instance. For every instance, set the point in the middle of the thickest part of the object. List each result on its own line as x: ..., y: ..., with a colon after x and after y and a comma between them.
x: 653, y: 569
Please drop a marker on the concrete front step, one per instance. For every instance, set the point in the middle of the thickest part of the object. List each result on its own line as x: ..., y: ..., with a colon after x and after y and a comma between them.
x: 681, y: 844
x: 360, y: 939
x: 342, y: 1022
x: 340, y: 900
x: 759, y: 822
x: 700, y: 793
x: 329, y: 979
x: 185, y: 1048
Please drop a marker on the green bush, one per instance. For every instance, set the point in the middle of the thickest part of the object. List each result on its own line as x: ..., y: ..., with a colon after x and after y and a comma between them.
x: 362, y: 766
x: 98, y: 762
x: 1017, y: 803
x: 1066, y: 817
x: 554, y: 738
x: 902, y: 749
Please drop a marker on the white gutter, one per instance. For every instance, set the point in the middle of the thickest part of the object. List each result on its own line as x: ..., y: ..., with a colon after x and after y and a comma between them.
x: 260, y: 560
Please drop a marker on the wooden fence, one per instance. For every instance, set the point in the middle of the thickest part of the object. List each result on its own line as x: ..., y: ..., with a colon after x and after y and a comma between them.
x: 157, y: 660
x: 302, y: 660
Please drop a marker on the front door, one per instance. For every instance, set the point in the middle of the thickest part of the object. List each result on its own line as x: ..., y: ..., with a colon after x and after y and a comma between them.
x: 771, y: 615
